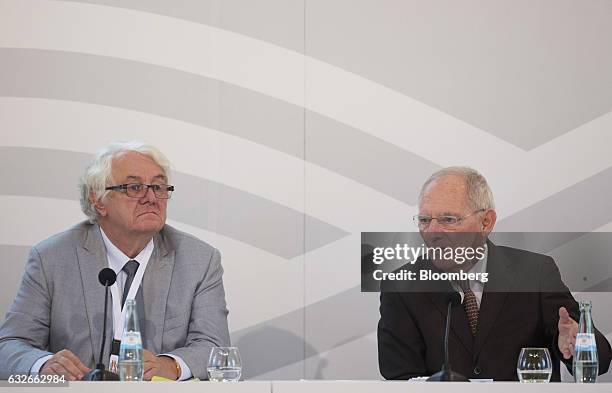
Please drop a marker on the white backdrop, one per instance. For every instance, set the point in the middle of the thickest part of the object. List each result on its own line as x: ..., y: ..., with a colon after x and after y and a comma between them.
x: 295, y: 125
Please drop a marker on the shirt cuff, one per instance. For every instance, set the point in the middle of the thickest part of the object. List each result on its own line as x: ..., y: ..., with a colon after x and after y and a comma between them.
x: 185, y: 371
x: 39, y: 363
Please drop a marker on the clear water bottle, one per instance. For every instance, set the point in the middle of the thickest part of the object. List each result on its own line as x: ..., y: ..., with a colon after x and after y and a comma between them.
x: 131, y: 361
x: 586, y: 366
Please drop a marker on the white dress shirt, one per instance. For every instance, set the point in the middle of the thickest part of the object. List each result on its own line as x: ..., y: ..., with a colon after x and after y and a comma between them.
x: 476, y: 286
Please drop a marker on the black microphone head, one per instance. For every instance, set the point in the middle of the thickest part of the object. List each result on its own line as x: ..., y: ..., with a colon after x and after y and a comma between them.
x: 107, y: 276
x: 454, y: 298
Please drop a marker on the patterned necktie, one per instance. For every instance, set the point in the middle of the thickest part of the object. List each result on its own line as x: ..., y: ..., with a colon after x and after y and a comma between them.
x: 130, y: 269
x: 470, y: 304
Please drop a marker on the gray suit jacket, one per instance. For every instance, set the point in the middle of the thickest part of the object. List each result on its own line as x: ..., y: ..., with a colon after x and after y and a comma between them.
x: 60, y: 303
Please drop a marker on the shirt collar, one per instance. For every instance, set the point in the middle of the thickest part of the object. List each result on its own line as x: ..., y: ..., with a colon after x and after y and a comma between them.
x: 481, y: 265
x: 117, y: 259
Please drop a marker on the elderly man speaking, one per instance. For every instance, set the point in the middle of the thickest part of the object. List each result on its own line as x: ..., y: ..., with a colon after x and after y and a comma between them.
x: 523, y: 303
x: 54, y: 325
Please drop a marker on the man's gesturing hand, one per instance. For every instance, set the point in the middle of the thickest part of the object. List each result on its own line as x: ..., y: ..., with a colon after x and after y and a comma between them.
x: 568, y: 328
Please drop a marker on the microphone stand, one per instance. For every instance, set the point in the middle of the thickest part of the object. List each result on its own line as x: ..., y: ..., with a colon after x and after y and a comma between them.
x: 446, y: 374
x: 100, y: 373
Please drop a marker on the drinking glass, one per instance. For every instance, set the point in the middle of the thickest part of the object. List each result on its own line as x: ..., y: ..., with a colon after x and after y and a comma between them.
x: 534, y: 365
x: 224, y: 364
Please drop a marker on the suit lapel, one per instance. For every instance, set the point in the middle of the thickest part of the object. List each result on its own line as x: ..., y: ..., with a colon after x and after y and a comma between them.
x: 459, y: 322
x: 501, y: 281
x: 156, y: 286
x: 438, y: 293
x: 91, y: 256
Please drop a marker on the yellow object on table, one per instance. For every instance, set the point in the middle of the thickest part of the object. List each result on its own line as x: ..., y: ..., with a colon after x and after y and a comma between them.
x: 162, y: 379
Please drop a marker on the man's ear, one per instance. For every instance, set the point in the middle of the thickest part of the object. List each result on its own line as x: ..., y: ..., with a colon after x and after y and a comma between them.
x: 98, y: 205
x: 488, y: 221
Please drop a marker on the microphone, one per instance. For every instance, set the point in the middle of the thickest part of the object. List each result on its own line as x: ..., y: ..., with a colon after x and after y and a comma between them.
x: 107, y: 277
x: 446, y: 374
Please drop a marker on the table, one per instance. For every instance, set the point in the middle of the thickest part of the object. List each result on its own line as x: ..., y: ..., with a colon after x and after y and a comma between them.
x: 316, y: 387
x: 431, y: 387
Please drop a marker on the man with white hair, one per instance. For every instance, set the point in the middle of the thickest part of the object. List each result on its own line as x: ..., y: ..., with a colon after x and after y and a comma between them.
x: 54, y: 325
x: 522, y: 303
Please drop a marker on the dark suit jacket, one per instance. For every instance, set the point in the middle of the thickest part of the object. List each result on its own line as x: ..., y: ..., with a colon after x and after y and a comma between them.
x: 519, y: 309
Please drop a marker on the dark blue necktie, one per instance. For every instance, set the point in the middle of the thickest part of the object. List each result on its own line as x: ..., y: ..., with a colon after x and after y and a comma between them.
x: 130, y: 269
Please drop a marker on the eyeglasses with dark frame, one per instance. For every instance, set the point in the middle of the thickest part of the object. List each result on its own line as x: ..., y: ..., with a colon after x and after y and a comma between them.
x: 138, y: 190
x: 445, y: 220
